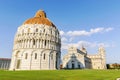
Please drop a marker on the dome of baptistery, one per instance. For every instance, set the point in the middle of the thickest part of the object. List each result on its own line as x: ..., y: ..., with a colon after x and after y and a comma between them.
x: 40, y: 18
x: 37, y: 45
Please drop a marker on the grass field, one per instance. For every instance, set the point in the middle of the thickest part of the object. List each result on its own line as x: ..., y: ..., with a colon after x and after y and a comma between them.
x: 60, y: 75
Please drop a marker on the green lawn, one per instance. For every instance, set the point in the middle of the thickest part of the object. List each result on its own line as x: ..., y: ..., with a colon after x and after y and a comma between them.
x: 60, y: 75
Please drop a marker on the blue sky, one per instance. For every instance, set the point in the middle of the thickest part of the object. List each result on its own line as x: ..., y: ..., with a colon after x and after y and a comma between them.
x: 81, y: 22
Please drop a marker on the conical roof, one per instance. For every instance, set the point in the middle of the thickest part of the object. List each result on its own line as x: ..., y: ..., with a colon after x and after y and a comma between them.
x: 39, y: 18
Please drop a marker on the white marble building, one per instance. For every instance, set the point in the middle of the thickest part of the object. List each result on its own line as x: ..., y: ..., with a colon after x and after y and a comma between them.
x: 37, y: 45
x: 79, y: 59
x: 98, y: 61
x: 5, y: 63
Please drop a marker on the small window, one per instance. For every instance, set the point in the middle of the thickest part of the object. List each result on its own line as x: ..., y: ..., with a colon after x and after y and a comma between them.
x: 44, y: 30
x: 72, y: 61
x: 44, y: 56
x: 67, y: 66
x: 26, y: 55
x: 33, y: 41
x: 79, y: 65
x: 37, y: 30
x: 35, y: 55
x: 45, y: 42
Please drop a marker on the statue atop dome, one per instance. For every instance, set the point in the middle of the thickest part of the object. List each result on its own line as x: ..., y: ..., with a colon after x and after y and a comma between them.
x: 40, y: 13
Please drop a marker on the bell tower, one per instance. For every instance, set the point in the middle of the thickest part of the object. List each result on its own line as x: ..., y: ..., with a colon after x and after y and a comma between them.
x: 101, y: 52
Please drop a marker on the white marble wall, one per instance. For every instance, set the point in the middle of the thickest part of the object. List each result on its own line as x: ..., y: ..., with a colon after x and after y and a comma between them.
x: 38, y: 39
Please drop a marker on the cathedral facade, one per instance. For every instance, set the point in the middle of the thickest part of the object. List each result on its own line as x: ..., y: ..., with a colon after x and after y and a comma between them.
x: 79, y: 59
x: 37, y: 45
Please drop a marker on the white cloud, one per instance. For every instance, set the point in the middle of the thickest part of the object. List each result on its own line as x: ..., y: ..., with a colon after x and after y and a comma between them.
x: 78, y: 33
x: 67, y: 38
x: 64, y: 46
x: 71, y: 39
x: 96, y: 30
x: 86, y: 44
x: 64, y: 39
x: 61, y: 33
x: 106, y: 45
x: 109, y: 29
x: 85, y: 33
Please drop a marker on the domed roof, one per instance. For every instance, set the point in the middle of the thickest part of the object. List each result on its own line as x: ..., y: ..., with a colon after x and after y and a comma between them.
x: 39, y: 18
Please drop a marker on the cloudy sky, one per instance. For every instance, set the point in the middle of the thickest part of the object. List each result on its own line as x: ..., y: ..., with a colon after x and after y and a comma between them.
x: 91, y: 23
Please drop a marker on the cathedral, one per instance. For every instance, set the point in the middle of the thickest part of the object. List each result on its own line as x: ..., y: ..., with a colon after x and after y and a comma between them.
x: 37, y: 45
x: 80, y: 59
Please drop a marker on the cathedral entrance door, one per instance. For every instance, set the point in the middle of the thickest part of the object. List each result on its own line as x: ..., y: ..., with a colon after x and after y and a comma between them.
x: 79, y: 66
x: 73, y: 65
x: 18, y: 64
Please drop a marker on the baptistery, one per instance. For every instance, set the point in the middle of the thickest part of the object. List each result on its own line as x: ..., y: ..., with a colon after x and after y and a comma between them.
x: 37, y: 45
